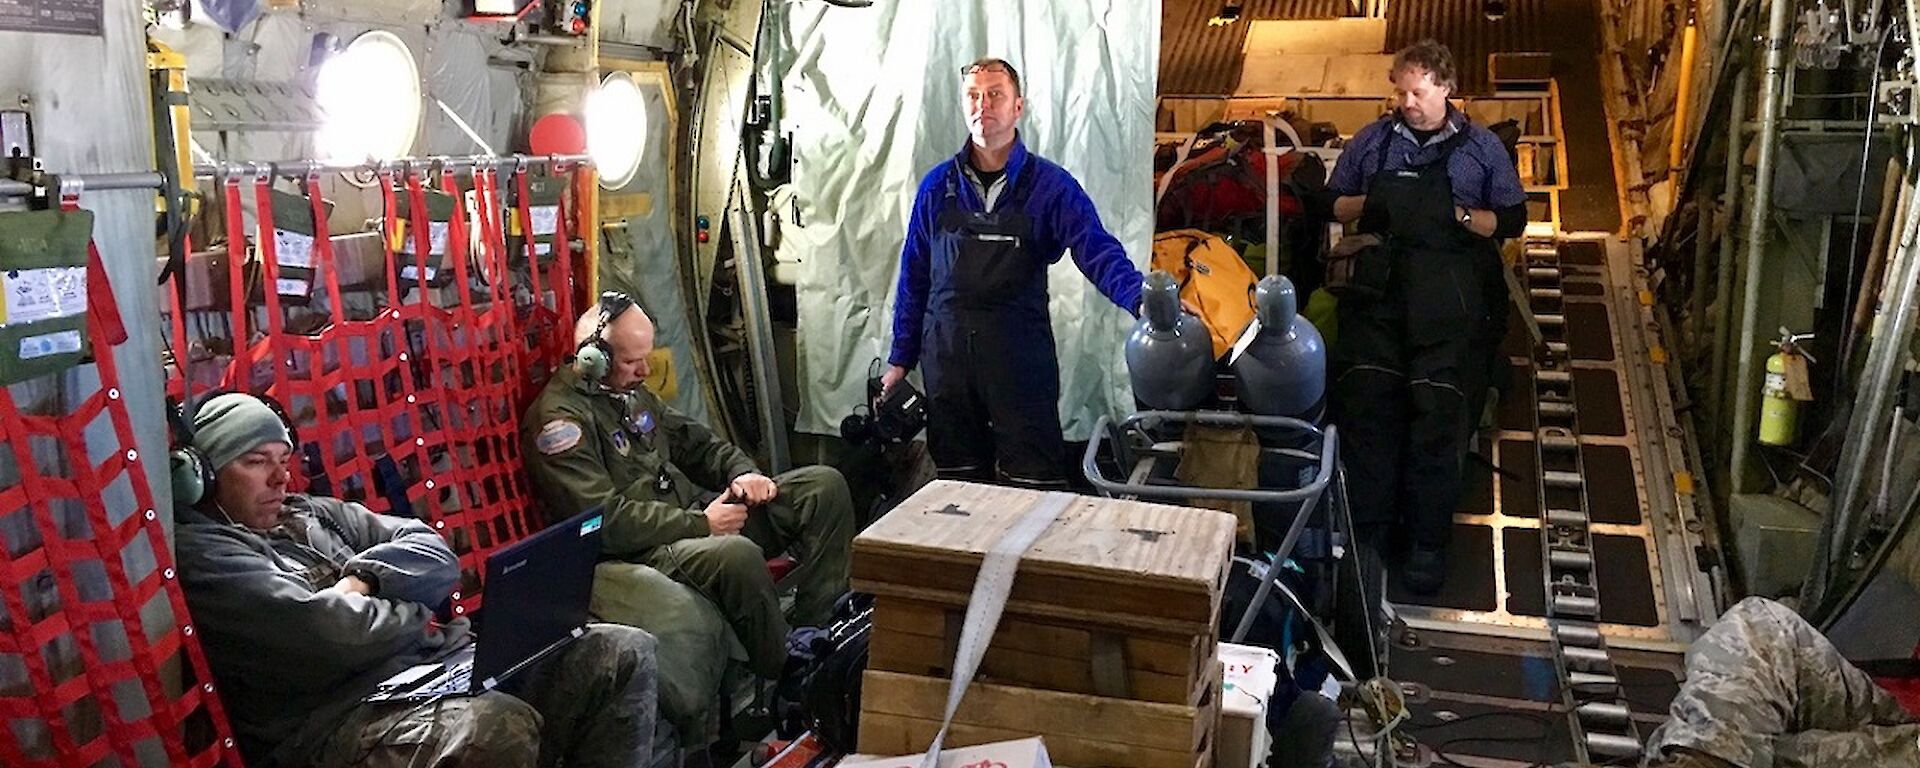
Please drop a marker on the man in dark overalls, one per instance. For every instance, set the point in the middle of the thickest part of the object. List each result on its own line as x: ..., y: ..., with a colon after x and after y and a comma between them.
x: 972, y: 298
x: 1420, y: 327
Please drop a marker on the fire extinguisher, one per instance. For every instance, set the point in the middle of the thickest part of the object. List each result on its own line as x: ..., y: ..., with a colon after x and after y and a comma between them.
x: 1785, y: 387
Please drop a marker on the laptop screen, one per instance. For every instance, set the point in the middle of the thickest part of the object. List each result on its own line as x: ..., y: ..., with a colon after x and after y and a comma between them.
x: 538, y: 591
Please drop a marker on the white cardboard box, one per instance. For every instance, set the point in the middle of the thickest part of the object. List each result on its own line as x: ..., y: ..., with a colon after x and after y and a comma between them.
x: 1243, y: 741
x: 1024, y: 753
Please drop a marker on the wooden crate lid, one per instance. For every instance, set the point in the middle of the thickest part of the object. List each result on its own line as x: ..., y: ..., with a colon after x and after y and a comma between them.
x: 1104, y: 561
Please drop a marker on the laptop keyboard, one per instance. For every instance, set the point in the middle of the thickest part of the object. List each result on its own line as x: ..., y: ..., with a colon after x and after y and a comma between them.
x: 458, y: 677
x: 454, y: 680
x: 451, y: 678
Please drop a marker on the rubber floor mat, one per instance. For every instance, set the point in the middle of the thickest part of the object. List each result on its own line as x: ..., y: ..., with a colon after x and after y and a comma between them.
x: 1500, y: 675
x: 1596, y: 395
x: 1476, y: 495
x: 1469, y: 585
x: 1526, y: 582
x: 1583, y: 252
x: 1516, y: 409
x: 1588, y: 335
x: 1626, y: 584
x: 1461, y: 728
x: 1518, y: 479
x: 1649, y: 691
x: 1582, y: 288
x: 1611, y: 494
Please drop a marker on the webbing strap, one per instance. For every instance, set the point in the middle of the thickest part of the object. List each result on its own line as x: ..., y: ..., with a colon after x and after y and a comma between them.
x: 990, y: 591
x: 1179, y: 159
x: 177, y: 322
x: 236, y: 285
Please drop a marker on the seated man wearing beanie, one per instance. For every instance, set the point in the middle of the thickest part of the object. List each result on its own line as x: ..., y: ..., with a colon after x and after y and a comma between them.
x: 305, y: 604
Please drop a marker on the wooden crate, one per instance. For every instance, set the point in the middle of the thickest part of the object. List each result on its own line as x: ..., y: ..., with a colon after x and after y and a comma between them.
x: 899, y: 715
x: 918, y: 638
x: 1104, y: 563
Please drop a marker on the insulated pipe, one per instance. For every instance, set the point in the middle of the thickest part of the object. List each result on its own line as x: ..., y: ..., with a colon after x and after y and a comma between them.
x: 1895, y: 202
x: 1723, y: 284
x: 1682, y: 105
x: 1697, y: 297
x: 1762, y: 205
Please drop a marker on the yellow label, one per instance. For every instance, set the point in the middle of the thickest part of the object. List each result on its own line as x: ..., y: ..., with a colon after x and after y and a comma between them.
x: 1683, y: 482
x: 1658, y: 354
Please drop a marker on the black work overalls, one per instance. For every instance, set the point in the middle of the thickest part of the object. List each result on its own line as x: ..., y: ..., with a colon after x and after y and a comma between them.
x: 1402, y: 360
x: 993, y: 380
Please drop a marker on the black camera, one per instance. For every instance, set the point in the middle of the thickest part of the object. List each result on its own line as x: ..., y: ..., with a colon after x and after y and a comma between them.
x: 894, y: 417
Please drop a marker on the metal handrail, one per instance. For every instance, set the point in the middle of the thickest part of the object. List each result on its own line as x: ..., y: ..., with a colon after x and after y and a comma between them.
x: 1329, y: 455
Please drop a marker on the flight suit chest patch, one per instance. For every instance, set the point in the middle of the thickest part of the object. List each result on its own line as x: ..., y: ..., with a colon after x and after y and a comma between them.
x: 620, y: 442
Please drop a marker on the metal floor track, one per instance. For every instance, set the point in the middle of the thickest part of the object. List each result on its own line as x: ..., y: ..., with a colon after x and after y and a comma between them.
x: 1641, y: 525
x: 1577, y: 581
x: 1486, y: 677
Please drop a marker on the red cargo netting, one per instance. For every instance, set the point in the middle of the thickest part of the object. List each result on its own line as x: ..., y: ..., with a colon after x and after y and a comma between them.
x: 407, y: 386
x: 97, y: 657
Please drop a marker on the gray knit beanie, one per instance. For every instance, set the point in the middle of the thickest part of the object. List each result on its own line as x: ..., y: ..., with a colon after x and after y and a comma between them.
x: 228, y: 426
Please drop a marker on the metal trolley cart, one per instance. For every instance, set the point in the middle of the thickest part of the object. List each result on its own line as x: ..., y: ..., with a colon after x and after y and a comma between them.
x: 1300, y: 516
x: 1301, y: 519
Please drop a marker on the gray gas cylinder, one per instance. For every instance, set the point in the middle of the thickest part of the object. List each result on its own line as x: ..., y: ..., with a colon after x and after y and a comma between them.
x: 1282, y: 371
x: 1169, y: 354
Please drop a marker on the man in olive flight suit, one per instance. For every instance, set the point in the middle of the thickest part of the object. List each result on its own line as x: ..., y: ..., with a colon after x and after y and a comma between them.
x: 677, y: 498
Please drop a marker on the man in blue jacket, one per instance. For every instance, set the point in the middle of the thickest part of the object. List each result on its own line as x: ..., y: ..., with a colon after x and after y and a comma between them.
x: 305, y: 604
x: 972, y: 297
x: 1422, y: 319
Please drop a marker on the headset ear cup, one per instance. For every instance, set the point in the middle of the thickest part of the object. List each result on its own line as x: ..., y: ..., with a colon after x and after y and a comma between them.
x: 191, y: 478
x: 592, y: 362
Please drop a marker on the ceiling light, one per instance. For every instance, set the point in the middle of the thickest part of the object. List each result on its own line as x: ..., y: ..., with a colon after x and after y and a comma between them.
x: 1229, y: 13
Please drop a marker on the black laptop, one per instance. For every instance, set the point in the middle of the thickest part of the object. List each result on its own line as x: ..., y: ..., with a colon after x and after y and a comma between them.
x: 538, y: 591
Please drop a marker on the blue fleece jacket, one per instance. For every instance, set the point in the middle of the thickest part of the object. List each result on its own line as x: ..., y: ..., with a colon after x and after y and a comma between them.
x: 1064, y: 218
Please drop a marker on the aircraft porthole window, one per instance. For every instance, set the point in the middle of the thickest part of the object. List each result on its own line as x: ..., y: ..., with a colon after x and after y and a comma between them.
x: 370, y: 97
x: 616, y: 129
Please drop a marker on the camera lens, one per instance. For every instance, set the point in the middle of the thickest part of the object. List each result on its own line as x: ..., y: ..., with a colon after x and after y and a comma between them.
x: 856, y: 429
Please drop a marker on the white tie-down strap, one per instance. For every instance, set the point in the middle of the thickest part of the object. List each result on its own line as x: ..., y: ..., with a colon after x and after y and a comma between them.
x: 1179, y: 159
x: 990, y: 591
x: 1268, y: 126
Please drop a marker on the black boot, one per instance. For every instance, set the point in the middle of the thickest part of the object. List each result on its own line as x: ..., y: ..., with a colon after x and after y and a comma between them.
x: 1425, y: 571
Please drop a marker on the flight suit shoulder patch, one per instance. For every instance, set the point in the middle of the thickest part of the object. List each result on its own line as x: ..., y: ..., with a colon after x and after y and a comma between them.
x: 557, y: 436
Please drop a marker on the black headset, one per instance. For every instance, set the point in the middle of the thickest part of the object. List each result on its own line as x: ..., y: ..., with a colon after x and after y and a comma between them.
x: 191, y: 474
x: 593, y: 359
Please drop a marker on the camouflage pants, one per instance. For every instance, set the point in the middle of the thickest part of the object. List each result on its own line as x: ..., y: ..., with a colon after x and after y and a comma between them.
x: 1765, y: 690
x: 590, y: 704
